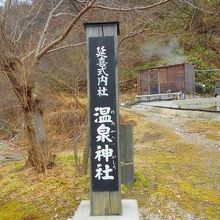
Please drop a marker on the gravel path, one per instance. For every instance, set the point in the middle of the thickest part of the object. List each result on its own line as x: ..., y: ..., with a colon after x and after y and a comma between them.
x: 175, y: 121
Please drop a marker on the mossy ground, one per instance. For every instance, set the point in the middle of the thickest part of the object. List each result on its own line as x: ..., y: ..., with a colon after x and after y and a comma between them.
x: 171, y: 179
x: 24, y: 194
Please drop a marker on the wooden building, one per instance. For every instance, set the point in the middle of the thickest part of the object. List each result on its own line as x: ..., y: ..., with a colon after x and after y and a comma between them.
x: 167, y: 79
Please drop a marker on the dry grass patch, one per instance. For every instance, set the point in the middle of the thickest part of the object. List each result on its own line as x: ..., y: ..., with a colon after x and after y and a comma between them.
x: 210, y: 129
x: 146, y: 132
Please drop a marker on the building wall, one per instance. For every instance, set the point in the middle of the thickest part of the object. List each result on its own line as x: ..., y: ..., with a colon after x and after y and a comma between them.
x: 175, y: 78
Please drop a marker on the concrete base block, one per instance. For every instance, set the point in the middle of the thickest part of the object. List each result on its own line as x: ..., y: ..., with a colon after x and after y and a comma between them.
x: 129, y: 209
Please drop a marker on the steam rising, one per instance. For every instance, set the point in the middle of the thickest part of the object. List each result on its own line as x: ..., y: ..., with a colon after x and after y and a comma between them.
x: 169, y: 53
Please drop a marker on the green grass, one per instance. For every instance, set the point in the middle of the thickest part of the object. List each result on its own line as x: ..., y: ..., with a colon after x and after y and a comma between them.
x: 24, y: 194
x: 19, y: 210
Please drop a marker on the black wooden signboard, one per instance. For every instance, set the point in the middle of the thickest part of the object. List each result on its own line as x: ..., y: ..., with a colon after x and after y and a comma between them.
x: 103, y: 114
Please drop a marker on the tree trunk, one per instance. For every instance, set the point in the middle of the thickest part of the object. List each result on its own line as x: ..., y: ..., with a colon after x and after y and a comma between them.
x: 38, y: 155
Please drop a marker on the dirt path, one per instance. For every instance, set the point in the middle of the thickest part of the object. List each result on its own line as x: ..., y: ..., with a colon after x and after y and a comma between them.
x: 177, y: 122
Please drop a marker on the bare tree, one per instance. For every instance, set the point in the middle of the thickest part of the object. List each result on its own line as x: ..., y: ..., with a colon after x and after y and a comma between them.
x: 22, y: 48
x: 26, y: 91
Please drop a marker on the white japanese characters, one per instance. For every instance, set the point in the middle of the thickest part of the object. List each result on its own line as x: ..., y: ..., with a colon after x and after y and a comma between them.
x: 104, y: 155
x: 103, y: 114
x: 104, y: 152
x: 101, y: 71
x: 100, y: 172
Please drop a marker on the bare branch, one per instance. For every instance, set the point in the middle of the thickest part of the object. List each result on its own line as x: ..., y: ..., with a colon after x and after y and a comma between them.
x: 29, y: 23
x: 65, y: 47
x: 48, y: 48
x: 62, y: 13
x: 27, y: 55
x: 131, y: 35
x: 6, y: 8
x: 132, y: 9
x: 80, y: 1
x: 196, y: 7
x: 43, y: 35
x: 66, y: 32
x: 125, y: 51
x: 5, y: 13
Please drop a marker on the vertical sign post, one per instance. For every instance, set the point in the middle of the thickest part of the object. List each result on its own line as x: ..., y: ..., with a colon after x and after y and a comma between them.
x: 103, y: 118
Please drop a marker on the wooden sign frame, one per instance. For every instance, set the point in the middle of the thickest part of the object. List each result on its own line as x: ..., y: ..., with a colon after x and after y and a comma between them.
x: 102, y: 46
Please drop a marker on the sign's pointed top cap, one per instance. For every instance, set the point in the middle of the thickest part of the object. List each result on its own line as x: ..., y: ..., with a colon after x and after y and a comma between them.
x: 97, y: 24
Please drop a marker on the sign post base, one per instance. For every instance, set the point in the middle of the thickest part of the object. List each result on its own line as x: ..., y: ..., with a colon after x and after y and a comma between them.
x: 129, y: 212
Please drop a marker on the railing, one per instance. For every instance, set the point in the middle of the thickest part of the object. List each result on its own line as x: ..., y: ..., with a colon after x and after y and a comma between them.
x: 165, y: 96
